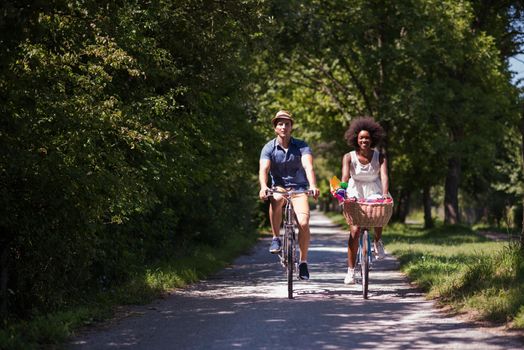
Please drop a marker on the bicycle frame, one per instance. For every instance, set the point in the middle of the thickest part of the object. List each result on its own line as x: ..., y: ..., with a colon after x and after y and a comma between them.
x: 288, y: 254
x: 364, y: 258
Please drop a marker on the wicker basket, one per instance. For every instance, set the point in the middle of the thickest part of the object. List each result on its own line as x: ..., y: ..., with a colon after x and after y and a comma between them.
x: 367, y: 214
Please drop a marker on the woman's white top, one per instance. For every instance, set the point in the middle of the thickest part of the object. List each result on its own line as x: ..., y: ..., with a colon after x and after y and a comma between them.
x: 365, y: 178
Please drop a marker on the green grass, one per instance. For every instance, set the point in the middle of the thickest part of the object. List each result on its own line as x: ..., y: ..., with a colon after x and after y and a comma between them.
x: 511, y: 233
x: 461, y: 269
x: 51, y: 330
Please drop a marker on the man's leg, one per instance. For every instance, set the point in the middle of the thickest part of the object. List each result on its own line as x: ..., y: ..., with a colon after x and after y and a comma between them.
x: 275, y: 217
x: 301, y: 206
x: 275, y: 214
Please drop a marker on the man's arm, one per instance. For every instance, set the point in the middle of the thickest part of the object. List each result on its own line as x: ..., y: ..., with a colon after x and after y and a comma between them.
x: 307, y: 163
x: 263, y: 177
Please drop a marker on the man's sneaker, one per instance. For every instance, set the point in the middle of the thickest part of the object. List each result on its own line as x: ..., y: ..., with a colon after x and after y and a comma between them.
x: 303, y: 273
x: 350, y: 276
x: 276, y: 246
x: 379, y: 250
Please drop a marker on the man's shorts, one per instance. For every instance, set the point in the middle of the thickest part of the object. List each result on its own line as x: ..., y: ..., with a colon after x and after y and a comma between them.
x: 300, y: 202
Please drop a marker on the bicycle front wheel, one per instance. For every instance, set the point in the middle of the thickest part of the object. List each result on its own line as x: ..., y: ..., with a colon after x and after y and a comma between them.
x: 290, y: 266
x: 364, y: 261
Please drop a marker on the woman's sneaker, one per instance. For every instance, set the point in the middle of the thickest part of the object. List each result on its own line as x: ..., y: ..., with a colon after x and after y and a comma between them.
x: 379, y: 250
x: 350, y: 276
x: 276, y: 246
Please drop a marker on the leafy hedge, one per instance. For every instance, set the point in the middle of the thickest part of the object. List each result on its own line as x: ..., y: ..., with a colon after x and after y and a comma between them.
x: 124, y: 139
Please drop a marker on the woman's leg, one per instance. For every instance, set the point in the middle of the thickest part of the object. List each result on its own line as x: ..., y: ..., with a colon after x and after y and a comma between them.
x: 379, y: 245
x: 378, y: 234
x: 354, y: 234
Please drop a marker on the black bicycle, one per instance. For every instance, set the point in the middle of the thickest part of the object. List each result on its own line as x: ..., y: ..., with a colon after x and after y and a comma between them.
x: 288, y: 253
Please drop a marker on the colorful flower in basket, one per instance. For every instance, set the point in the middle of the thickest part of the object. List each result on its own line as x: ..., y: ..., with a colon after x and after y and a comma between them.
x: 338, y: 189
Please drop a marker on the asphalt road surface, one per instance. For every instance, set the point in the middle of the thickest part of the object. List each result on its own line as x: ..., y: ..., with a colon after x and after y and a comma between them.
x: 246, y: 307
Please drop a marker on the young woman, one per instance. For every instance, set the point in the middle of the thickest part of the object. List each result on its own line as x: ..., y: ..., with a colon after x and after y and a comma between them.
x: 365, y: 170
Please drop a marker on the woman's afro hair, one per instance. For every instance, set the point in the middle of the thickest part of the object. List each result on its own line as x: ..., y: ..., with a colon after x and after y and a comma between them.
x: 364, y: 123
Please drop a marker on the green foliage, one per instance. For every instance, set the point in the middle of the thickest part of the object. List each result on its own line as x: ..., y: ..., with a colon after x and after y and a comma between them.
x: 125, y: 140
x: 51, y: 329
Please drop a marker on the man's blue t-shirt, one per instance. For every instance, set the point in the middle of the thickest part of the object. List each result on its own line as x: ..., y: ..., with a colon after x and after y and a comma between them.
x: 286, y: 168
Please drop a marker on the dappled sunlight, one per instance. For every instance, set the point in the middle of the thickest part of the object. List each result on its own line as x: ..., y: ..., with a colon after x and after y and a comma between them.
x: 246, y: 306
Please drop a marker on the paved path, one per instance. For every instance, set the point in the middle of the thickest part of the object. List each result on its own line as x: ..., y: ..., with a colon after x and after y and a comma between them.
x: 246, y: 307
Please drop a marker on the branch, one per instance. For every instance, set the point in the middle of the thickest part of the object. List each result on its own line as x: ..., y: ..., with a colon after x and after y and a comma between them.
x: 329, y: 75
x: 320, y: 85
x: 360, y: 87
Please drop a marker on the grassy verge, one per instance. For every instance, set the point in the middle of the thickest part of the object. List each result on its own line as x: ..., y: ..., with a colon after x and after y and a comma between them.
x: 461, y: 269
x: 53, y: 329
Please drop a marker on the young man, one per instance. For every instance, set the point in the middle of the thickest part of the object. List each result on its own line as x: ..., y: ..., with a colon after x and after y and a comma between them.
x: 290, y: 163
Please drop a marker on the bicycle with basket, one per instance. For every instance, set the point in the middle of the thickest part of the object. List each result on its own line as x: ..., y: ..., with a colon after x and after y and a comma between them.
x: 365, y: 213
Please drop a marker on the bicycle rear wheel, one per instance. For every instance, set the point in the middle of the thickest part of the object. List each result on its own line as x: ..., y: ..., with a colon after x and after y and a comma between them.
x: 290, y: 263
x: 364, y: 261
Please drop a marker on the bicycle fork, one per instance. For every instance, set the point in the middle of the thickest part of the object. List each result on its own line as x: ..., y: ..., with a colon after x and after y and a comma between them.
x: 289, y: 240
x: 359, y: 253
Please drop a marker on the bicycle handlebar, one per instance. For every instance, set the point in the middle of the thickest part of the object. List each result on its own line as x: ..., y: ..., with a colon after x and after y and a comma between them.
x: 286, y: 193
x: 369, y: 201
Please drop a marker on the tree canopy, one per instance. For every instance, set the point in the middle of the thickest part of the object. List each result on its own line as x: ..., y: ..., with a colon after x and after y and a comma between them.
x: 131, y: 130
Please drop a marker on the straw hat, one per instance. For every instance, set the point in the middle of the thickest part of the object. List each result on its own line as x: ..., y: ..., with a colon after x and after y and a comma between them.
x: 282, y: 115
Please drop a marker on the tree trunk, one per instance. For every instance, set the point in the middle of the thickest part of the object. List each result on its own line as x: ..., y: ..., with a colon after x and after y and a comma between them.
x: 521, y: 127
x: 426, y: 198
x: 451, y: 207
x: 402, y: 206
x: 522, y: 230
x: 3, y: 282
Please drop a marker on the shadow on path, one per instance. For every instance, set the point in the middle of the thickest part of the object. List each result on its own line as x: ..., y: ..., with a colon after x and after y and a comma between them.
x: 246, y: 306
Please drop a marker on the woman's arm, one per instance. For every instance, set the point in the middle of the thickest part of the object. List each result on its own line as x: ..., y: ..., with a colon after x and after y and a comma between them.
x: 384, y: 175
x: 346, y: 164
